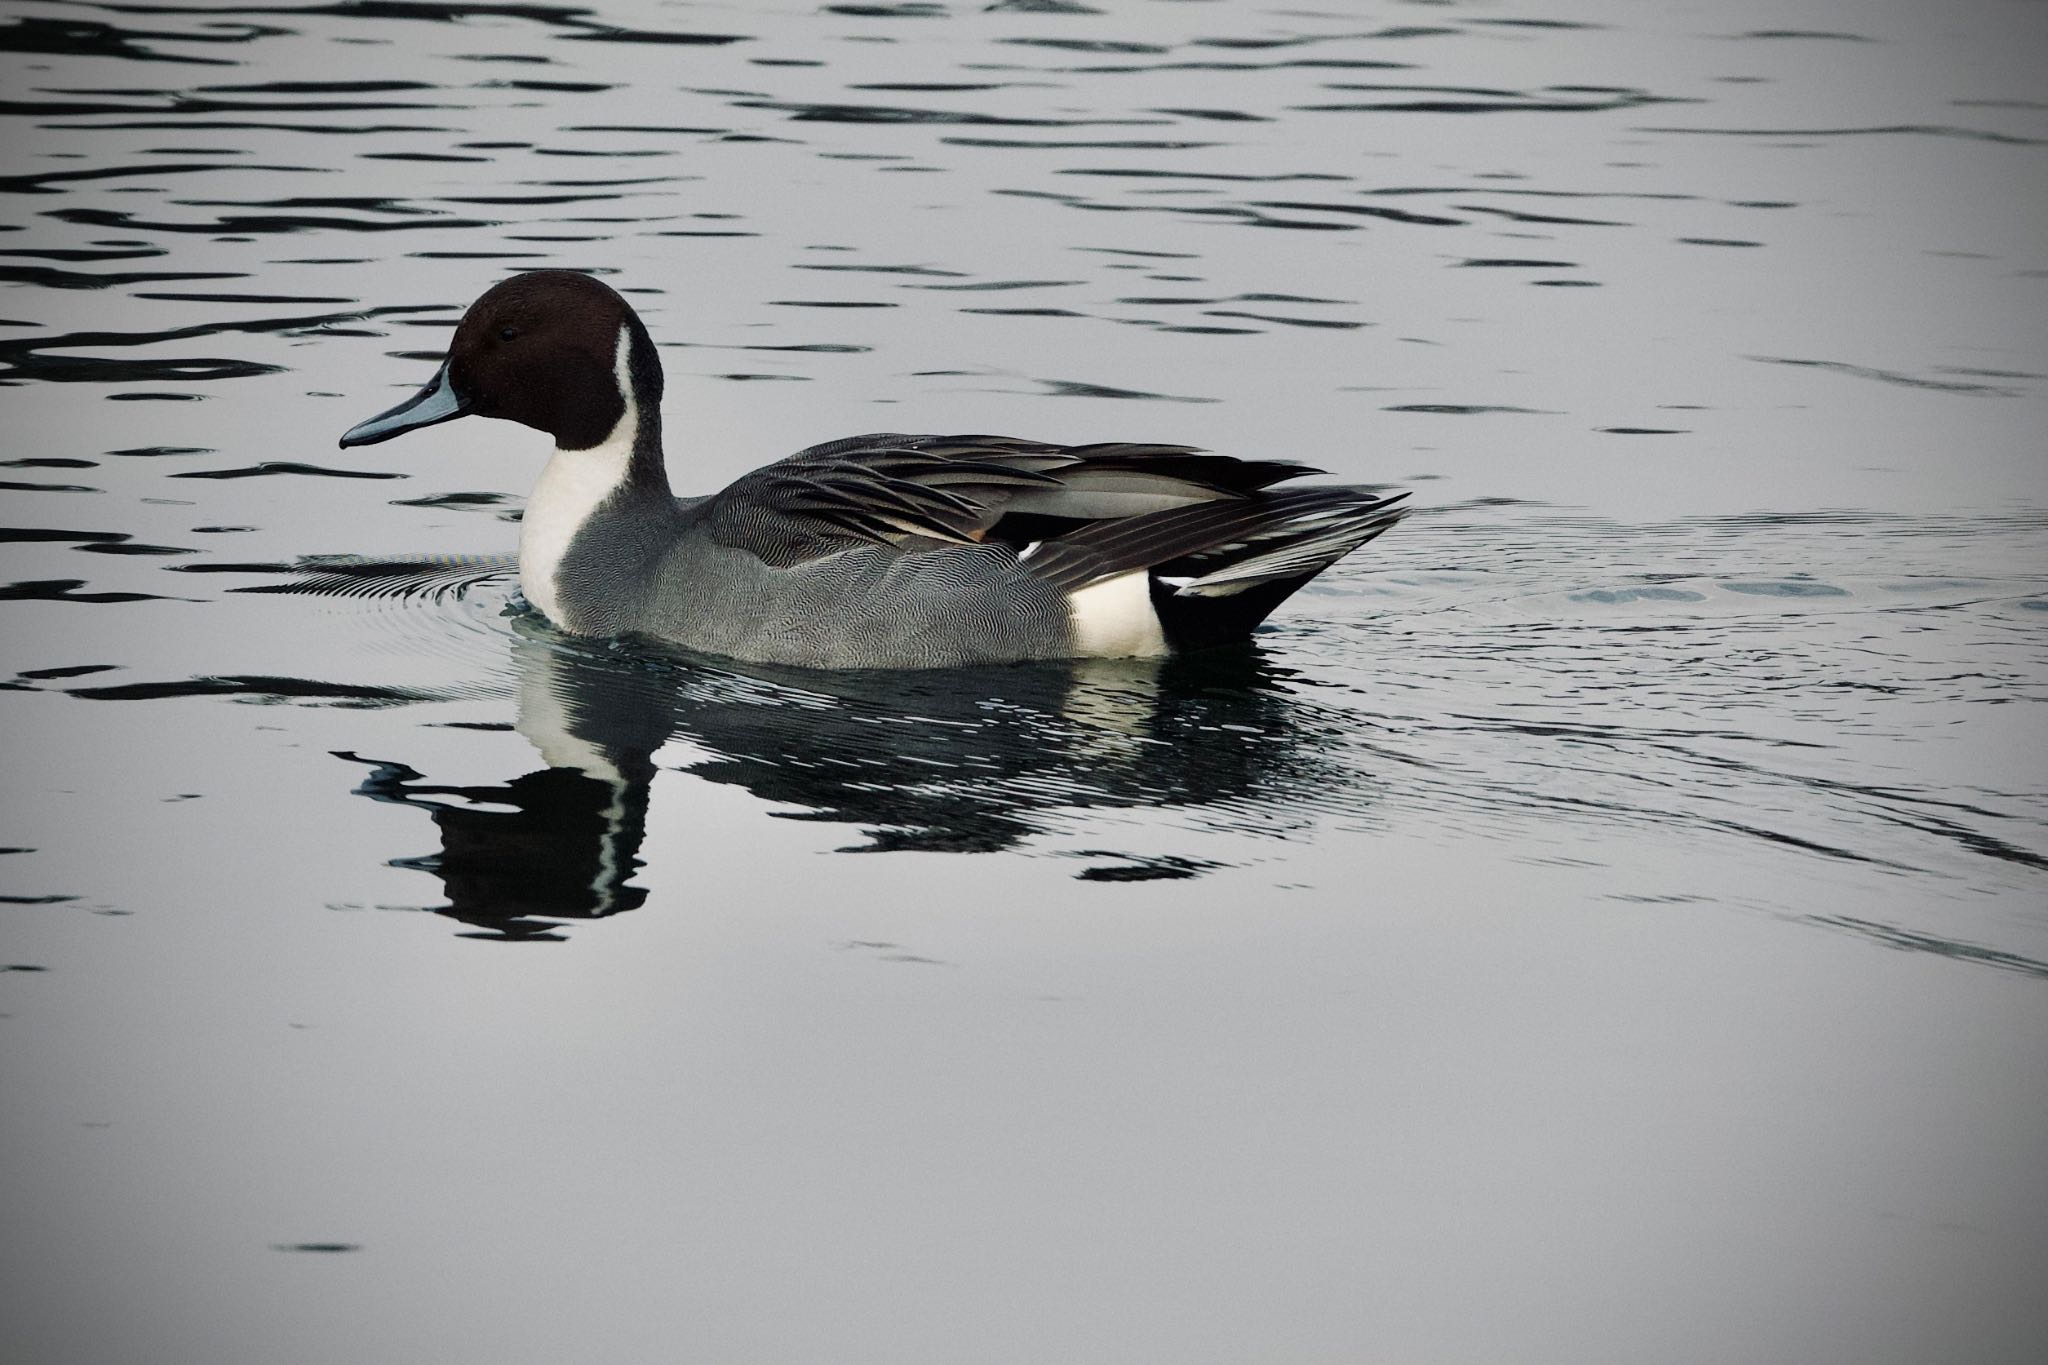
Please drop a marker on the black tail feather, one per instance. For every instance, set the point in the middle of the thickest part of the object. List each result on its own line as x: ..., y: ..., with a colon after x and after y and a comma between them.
x: 1214, y: 537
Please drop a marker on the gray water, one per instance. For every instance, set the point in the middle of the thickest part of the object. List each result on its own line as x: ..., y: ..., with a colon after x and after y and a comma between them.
x: 1606, y: 920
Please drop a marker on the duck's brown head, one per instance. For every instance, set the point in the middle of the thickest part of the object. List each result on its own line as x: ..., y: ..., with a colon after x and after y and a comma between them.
x: 551, y: 349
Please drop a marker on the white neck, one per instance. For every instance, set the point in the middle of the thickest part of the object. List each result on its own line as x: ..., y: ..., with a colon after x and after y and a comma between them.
x: 574, y: 484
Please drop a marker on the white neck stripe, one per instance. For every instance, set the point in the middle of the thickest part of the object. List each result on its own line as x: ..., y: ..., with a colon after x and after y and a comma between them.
x: 573, y: 486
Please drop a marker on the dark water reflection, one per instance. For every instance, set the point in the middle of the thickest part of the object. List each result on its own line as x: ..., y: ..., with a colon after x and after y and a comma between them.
x: 962, y: 761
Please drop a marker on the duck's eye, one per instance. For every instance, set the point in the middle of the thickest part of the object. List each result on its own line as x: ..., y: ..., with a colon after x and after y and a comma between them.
x: 508, y: 334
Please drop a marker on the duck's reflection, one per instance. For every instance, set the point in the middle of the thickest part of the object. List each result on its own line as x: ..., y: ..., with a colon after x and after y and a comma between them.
x: 957, y: 760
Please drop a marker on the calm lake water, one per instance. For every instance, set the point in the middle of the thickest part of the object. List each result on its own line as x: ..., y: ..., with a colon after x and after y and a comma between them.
x: 1605, y: 921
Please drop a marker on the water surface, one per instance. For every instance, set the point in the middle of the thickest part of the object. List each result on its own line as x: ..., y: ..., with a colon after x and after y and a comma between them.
x: 1603, y: 921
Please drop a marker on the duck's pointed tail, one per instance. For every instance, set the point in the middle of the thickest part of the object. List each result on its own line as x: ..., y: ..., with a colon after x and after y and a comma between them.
x: 1217, y: 569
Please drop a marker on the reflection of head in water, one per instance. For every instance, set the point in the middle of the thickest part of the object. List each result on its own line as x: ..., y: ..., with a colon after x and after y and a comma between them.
x: 965, y: 760
x: 553, y: 844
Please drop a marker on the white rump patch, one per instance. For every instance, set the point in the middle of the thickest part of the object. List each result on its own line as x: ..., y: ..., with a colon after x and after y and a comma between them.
x: 1115, y: 619
x: 573, y: 486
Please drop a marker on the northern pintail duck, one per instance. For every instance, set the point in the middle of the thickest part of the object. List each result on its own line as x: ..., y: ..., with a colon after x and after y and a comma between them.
x: 881, y: 551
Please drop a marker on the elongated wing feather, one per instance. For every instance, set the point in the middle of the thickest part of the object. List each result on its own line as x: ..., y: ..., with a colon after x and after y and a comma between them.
x: 1222, y: 547
x: 906, y: 491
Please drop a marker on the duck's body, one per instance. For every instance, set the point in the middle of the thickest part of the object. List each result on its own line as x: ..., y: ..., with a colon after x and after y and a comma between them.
x: 883, y: 551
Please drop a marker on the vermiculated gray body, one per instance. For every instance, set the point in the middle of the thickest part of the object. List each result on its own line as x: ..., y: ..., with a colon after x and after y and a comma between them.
x: 638, y: 568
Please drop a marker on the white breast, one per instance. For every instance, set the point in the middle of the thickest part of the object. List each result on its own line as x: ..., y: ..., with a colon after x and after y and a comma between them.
x: 574, y: 484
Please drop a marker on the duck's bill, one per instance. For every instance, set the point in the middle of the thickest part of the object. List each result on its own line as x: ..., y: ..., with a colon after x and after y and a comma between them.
x: 437, y: 402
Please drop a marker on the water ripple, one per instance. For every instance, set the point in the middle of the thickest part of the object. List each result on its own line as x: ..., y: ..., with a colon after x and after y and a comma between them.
x: 1755, y: 684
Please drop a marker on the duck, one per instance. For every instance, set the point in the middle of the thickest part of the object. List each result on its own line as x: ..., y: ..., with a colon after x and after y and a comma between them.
x: 883, y: 551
